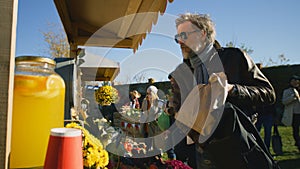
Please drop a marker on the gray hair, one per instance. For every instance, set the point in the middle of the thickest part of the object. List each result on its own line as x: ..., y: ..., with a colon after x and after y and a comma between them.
x: 201, y: 21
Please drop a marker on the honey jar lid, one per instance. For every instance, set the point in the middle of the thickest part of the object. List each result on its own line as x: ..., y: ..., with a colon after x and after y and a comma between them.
x: 35, y: 59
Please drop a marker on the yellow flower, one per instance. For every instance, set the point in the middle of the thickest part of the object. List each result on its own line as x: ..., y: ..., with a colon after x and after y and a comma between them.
x: 93, y: 153
x: 106, y: 95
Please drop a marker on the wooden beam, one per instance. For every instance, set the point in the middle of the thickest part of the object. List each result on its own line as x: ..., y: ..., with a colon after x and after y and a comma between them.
x: 136, y: 41
x: 8, y: 24
x: 105, y: 42
x: 127, y: 20
x: 99, y: 73
x: 115, y: 74
x: 86, y: 27
x: 63, y: 10
x: 107, y: 73
x: 144, y: 21
x: 94, y: 30
x: 149, y: 18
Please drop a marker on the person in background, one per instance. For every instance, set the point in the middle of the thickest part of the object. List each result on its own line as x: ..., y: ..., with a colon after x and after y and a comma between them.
x: 265, y: 118
x: 182, y: 151
x: 153, y: 107
x: 291, y: 102
x: 134, y: 99
x: 169, y: 110
x: 108, y: 112
x: 151, y: 81
x: 151, y: 110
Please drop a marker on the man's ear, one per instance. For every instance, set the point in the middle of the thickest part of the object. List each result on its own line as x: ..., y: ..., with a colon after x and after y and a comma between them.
x: 203, y: 34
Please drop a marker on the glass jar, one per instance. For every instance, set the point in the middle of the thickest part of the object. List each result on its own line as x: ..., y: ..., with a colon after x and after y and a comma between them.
x: 38, y: 106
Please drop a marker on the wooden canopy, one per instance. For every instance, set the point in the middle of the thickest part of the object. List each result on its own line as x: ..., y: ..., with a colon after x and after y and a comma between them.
x: 99, y: 68
x: 109, y: 23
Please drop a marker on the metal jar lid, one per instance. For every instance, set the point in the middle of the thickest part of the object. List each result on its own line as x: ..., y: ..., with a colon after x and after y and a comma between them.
x: 35, y: 59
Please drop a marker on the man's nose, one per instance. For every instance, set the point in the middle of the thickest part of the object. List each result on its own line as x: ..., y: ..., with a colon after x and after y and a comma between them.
x: 181, y: 41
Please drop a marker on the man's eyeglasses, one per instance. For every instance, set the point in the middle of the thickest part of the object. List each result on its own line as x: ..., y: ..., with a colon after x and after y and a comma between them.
x: 183, y: 35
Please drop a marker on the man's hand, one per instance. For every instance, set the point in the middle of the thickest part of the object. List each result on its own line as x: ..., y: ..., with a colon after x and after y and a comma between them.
x: 229, y: 88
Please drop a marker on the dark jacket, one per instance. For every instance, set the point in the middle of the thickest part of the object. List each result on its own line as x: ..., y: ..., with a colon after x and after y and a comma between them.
x: 253, y: 88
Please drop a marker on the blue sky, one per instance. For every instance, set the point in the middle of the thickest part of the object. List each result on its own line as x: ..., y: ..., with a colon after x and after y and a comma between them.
x: 270, y: 28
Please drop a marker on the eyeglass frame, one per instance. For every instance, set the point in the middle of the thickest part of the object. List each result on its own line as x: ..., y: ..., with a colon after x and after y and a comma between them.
x: 183, y: 35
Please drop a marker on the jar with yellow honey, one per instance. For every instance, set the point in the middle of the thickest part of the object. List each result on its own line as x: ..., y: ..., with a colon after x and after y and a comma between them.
x: 38, y: 106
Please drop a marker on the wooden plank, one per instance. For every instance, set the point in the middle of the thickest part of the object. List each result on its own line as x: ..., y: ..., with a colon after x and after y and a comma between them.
x: 62, y: 9
x: 127, y: 20
x: 8, y: 13
x: 105, y: 42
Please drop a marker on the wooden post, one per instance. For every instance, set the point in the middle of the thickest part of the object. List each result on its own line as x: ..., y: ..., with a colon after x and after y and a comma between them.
x: 8, y: 14
x: 77, y: 79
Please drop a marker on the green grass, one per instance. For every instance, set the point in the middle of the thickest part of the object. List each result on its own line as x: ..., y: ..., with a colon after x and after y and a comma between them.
x: 290, y: 159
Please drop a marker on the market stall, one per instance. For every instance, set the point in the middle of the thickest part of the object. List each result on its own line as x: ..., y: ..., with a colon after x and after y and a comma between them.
x: 112, y: 24
x: 100, y: 23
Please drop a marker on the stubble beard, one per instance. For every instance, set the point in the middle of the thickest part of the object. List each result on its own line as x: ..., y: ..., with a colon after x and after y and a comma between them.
x: 187, y: 52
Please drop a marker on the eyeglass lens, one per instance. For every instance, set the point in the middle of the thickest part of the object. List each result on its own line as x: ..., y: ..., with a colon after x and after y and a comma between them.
x: 181, y: 36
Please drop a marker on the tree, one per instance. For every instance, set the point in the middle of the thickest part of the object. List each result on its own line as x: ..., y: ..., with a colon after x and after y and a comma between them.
x: 56, y: 40
x: 140, y: 77
x: 282, y: 60
x: 242, y: 47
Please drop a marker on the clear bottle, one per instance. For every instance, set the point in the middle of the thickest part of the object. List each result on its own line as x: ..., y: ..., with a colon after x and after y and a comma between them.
x: 38, y: 106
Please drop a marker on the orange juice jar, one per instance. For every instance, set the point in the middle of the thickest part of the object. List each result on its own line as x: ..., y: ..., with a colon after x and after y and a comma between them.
x: 38, y: 106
